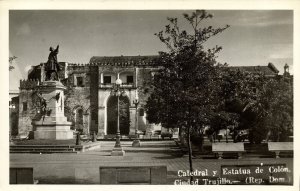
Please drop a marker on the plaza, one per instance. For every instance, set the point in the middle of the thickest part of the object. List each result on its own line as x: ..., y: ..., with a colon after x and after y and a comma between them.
x: 83, y: 168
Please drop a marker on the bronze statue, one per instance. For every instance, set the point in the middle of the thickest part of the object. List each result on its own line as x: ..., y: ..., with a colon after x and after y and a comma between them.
x: 41, y: 104
x: 52, y: 67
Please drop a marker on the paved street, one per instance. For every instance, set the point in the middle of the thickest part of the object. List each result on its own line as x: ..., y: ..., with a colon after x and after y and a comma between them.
x: 65, y: 168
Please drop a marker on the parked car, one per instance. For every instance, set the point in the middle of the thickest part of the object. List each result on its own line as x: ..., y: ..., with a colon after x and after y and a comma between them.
x: 166, y: 134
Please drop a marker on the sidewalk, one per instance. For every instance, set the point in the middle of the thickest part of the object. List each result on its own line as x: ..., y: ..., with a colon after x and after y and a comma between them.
x: 67, y: 168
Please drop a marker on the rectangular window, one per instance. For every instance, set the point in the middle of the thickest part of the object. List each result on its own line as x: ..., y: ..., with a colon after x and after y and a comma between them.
x: 24, y: 106
x: 107, y: 79
x: 129, y: 79
x: 79, y: 81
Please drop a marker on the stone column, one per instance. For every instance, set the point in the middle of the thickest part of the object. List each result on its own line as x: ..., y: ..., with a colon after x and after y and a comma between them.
x: 136, y: 77
x: 101, y: 77
x: 132, y: 115
x: 101, y: 121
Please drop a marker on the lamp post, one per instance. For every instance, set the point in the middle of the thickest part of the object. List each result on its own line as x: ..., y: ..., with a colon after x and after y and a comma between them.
x: 226, y: 134
x: 117, y: 150
x: 136, y: 141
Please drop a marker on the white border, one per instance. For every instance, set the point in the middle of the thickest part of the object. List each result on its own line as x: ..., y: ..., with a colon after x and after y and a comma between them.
x: 137, y: 5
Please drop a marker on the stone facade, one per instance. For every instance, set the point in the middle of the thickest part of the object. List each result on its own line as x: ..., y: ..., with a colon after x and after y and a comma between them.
x: 88, y: 91
x: 13, y: 113
x: 27, y: 110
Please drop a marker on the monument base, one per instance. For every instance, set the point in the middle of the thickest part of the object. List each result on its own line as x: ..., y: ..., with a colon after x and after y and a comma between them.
x: 136, y: 143
x: 53, y: 133
x: 51, y: 122
x: 117, y: 151
x: 54, y: 128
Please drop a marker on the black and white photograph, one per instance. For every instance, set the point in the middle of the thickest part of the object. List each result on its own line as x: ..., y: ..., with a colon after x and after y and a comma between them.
x: 177, y: 97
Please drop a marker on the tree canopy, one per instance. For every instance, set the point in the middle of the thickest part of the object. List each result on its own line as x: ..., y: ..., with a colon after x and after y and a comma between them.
x: 264, y: 105
x: 193, y: 90
x: 10, y: 60
x: 185, y: 89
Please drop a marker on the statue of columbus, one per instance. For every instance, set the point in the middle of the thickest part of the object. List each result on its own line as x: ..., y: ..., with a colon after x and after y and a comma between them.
x: 52, y: 67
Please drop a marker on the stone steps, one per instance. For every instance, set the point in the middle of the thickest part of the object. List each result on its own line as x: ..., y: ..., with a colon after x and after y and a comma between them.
x: 41, y: 146
x: 131, y: 139
x: 44, y: 149
x: 42, y: 152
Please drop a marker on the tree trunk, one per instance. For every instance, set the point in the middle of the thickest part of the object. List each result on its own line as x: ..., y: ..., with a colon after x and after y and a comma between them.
x: 278, y: 136
x: 201, y: 142
x: 180, y: 136
x: 190, y: 152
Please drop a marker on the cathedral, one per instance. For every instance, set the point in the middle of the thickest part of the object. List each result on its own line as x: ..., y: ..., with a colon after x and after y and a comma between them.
x: 89, y: 102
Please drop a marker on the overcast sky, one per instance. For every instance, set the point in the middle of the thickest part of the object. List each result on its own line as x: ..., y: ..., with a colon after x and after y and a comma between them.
x: 254, y: 37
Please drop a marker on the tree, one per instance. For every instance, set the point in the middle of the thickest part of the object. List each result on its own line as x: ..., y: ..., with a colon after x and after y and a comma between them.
x: 185, y: 90
x: 279, y: 119
x: 264, y: 104
x: 11, y: 59
x: 240, y: 93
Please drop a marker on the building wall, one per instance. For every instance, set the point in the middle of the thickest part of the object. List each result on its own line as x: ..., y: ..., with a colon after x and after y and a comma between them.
x: 93, y: 76
x: 14, y: 115
x: 79, y: 97
x: 25, y: 116
x: 91, y: 95
x: 105, y: 92
x: 27, y: 110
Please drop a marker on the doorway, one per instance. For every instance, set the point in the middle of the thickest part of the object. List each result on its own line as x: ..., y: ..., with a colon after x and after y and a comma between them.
x: 112, y: 115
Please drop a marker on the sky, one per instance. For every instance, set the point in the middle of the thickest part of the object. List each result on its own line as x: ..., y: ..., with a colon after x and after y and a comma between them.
x: 255, y: 37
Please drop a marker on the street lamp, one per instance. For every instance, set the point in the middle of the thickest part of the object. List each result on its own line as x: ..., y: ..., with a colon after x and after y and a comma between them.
x: 136, y: 141
x: 116, y: 91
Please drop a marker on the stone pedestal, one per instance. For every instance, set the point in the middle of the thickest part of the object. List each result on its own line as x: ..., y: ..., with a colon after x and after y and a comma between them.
x: 54, y: 124
x: 132, y: 115
x: 117, y: 151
